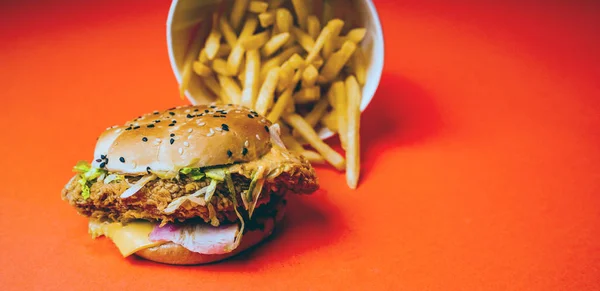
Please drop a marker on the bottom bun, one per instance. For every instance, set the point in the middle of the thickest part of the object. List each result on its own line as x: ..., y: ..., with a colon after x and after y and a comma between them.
x: 175, y: 254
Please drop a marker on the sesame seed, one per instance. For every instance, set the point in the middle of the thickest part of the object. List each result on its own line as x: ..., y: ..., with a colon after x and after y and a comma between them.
x: 244, y: 151
x: 206, y: 111
x: 211, y: 133
x: 218, y: 129
x: 122, y: 159
x: 196, y: 110
x: 102, y: 165
x: 212, y: 106
x: 201, y: 123
x: 250, y: 115
x: 172, y: 113
x: 237, y: 111
x: 157, y: 121
x: 150, y: 125
x: 189, y: 116
x: 136, y: 127
x: 246, y: 143
x: 229, y: 153
x: 172, y: 135
x: 173, y: 121
x: 267, y: 129
x: 172, y: 141
x: 129, y: 128
x: 180, y: 150
x: 187, y: 111
x: 225, y: 127
x: 133, y: 164
x: 185, y: 143
x: 144, y: 139
x: 172, y: 124
x: 257, y: 137
x: 98, y: 160
x: 148, y: 170
x: 155, y: 112
x: 190, y: 130
x: 103, y: 157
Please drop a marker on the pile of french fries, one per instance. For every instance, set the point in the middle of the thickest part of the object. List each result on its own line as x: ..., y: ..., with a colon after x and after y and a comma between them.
x: 302, y: 71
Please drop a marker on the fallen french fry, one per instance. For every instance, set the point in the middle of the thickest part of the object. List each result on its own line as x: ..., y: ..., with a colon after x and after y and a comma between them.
x: 265, y: 95
x: 353, y: 132
x: 309, y: 134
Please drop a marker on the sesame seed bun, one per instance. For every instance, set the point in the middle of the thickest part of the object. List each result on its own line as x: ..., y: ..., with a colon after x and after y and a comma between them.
x: 188, y: 136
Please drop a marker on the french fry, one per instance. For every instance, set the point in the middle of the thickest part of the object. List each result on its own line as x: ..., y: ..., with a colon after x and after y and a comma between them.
x: 258, y: 6
x: 201, y: 69
x: 220, y: 67
x: 336, y: 62
x: 213, y: 42
x: 318, y: 63
x: 359, y: 66
x: 303, y: 39
x: 291, y: 143
x: 326, y: 34
x: 309, y: 77
x: 237, y: 13
x: 275, y: 3
x: 313, y: 157
x: 329, y: 45
x: 286, y: 74
x: 355, y: 35
x: 203, y: 57
x: 230, y: 88
x: 309, y: 134
x: 251, y: 81
x: 283, y: 20
x: 237, y: 53
x: 280, y: 106
x: 212, y: 85
x: 290, y: 108
x: 265, y: 95
x: 301, y: 12
x: 339, y: 91
x: 274, y: 44
x: 277, y: 60
x: 256, y: 41
x: 330, y: 121
x: 313, y: 26
x: 199, y: 89
x: 307, y: 95
x: 186, y: 72
x: 266, y: 19
x: 228, y: 32
x: 353, y: 132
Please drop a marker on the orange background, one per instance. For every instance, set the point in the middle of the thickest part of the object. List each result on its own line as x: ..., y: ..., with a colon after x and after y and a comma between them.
x: 488, y: 113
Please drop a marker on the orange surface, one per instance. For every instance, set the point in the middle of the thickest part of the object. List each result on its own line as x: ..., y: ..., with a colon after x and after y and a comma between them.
x: 481, y: 153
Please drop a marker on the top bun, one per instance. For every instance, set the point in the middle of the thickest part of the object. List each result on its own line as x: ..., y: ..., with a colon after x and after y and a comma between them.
x: 187, y: 136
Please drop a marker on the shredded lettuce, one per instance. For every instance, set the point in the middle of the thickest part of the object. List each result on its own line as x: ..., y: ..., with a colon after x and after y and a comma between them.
x: 87, y: 174
x: 255, y: 189
x: 212, y: 187
x: 216, y: 174
x: 113, y: 178
x: 194, y: 173
x: 229, y: 181
x: 194, y: 197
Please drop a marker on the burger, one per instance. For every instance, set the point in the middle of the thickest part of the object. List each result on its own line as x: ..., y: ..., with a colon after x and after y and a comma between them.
x: 189, y: 185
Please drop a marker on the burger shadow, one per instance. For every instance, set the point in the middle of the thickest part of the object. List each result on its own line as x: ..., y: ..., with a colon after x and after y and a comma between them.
x: 311, y: 222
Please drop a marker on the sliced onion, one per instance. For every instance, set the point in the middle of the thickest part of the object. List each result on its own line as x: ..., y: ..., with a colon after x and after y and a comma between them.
x: 275, y: 132
x: 212, y: 187
x: 175, y: 204
x: 137, y: 186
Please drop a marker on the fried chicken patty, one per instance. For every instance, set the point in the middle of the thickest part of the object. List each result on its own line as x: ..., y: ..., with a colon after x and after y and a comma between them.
x: 149, y: 203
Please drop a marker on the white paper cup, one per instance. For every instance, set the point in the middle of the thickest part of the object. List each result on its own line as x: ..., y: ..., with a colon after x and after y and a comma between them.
x: 184, y: 19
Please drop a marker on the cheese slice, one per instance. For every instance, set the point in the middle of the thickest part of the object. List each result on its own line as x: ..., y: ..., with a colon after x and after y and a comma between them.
x: 128, y: 238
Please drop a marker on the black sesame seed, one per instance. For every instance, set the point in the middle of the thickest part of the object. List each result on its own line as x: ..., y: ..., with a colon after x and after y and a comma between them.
x: 172, y: 124
x: 157, y: 121
x: 244, y: 151
x: 225, y: 127
x: 255, y: 114
x: 129, y: 128
x: 250, y: 115
x: 173, y: 121
x: 172, y: 141
x: 189, y: 116
x: 136, y: 127
x: 229, y: 153
x: 212, y: 106
x: 267, y: 128
x: 98, y: 160
x: 172, y: 135
x: 102, y: 165
x: 148, y: 170
x: 155, y: 112
x: 172, y: 108
x: 196, y: 110
x: 206, y: 111
x: 103, y: 157
x: 150, y: 125
x: 144, y: 139
x: 229, y: 104
x: 122, y: 159
x: 172, y: 113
